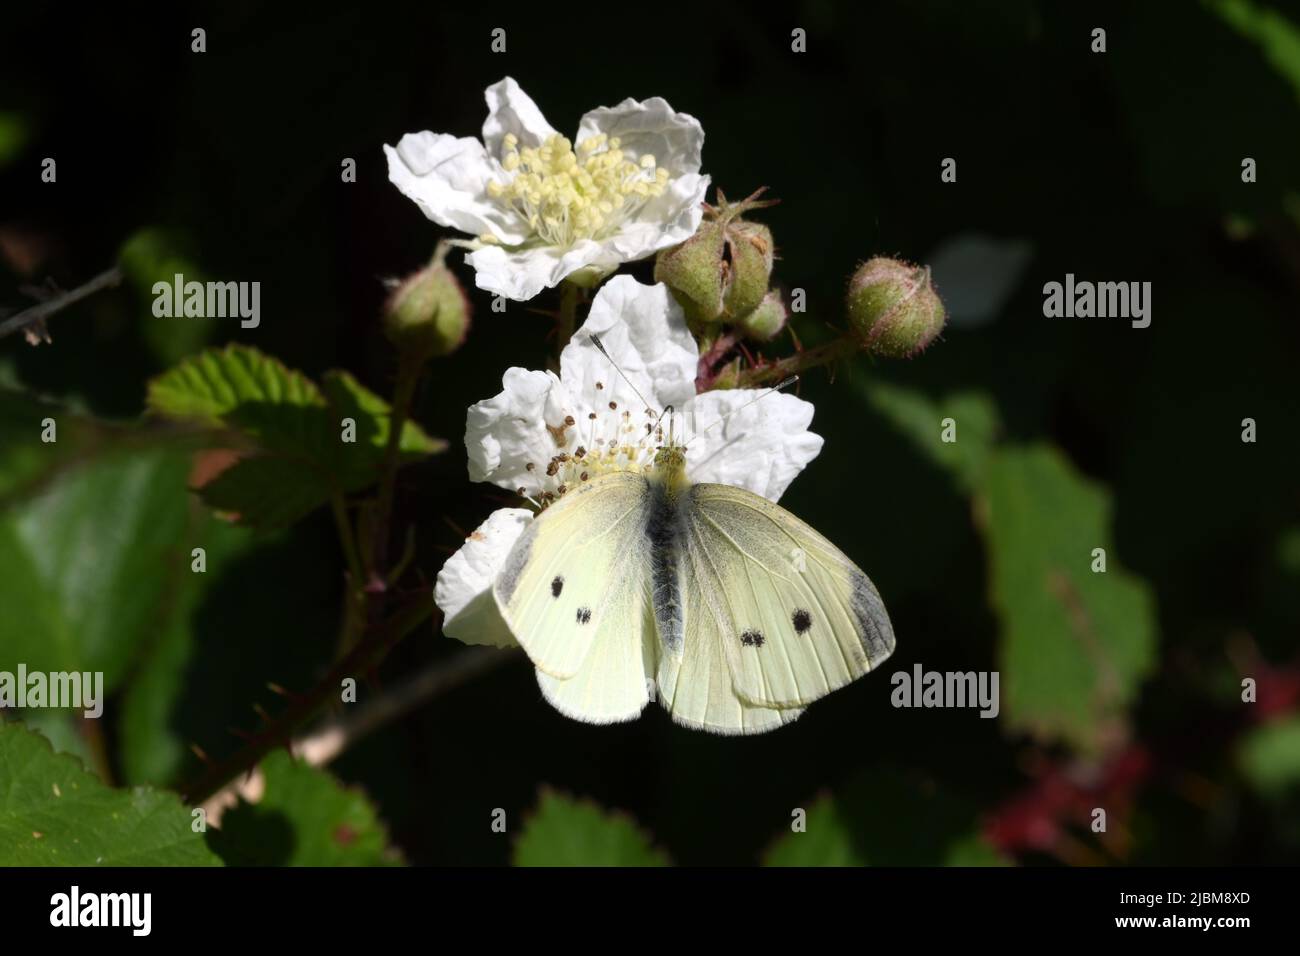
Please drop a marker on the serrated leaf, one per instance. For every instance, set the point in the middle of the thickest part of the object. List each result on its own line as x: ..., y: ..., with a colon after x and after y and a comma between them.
x: 298, y: 426
x: 304, y: 818
x: 54, y: 813
x: 83, y: 564
x: 1076, y: 644
x: 567, y: 832
x: 267, y: 491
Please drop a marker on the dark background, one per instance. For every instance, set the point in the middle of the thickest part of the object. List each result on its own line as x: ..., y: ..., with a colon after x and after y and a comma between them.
x: 1120, y: 166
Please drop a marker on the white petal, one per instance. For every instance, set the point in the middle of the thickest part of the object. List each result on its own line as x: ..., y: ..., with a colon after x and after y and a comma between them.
x: 511, y: 110
x: 463, y: 590
x: 761, y: 448
x: 664, y: 221
x: 644, y: 330
x: 447, y: 177
x: 506, y: 433
x: 520, y: 274
x: 676, y: 140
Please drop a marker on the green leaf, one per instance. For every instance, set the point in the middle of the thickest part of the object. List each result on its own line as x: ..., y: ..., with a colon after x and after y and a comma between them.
x: 1076, y: 644
x: 83, y: 564
x: 298, y: 427
x: 923, y: 420
x: 304, y: 818
x: 1278, y: 38
x: 54, y: 813
x: 267, y: 491
x: 153, y: 255
x: 151, y: 747
x: 852, y: 827
x: 1269, y: 756
x: 566, y: 832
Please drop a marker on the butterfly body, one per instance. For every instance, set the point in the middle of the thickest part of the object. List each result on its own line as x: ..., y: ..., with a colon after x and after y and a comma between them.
x: 726, y: 606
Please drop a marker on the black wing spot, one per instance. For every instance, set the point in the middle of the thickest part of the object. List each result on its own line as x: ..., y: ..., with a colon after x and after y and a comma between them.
x: 752, y: 638
x: 801, y: 620
x: 584, y: 615
x: 557, y: 585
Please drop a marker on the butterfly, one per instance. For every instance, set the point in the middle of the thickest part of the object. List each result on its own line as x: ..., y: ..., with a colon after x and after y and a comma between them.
x: 731, y: 610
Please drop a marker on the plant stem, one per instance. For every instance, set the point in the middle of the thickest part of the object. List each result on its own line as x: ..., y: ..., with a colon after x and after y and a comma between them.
x: 43, y: 310
x: 776, y: 372
x: 354, y: 608
x: 408, y: 377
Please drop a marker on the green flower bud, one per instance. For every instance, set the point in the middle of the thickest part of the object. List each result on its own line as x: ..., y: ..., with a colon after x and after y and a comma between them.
x: 763, y: 323
x: 750, y: 245
x: 694, y: 272
x: 428, y: 313
x: 893, y: 309
x: 720, y: 274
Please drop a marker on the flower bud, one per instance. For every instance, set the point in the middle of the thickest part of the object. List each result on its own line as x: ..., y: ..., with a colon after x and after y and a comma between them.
x: 763, y: 323
x: 750, y: 245
x: 428, y: 313
x: 694, y: 272
x: 893, y: 309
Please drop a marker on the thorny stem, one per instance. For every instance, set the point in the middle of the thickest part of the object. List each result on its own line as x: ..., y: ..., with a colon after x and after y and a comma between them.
x: 368, y: 653
x: 773, y: 373
x: 354, y: 611
x: 43, y: 310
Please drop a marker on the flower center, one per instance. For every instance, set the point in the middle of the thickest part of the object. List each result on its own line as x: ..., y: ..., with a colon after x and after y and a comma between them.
x: 603, y: 438
x: 567, y: 194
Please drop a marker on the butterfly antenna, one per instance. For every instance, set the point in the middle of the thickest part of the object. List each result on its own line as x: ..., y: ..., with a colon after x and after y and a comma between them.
x: 740, y: 408
x: 595, y: 340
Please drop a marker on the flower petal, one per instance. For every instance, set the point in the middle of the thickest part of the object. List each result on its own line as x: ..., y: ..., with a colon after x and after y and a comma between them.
x: 506, y: 433
x: 511, y: 110
x: 464, y: 587
x: 676, y: 140
x: 760, y: 448
x: 447, y: 177
x: 519, y: 274
x: 644, y: 330
x: 666, y: 220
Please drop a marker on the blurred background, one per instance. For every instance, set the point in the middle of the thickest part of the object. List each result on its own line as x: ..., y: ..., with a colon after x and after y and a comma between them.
x: 1120, y: 691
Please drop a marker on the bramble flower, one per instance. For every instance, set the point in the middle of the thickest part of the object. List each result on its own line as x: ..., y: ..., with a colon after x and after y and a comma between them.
x: 545, y: 434
x: 543, y: 208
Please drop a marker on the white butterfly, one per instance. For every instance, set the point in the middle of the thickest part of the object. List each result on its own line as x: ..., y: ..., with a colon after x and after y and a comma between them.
x: 738, y: 613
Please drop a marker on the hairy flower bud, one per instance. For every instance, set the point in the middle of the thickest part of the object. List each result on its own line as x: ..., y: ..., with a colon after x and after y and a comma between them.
x: 763, y: 323
x: 428, y: 313
x: 750, y: 246
x: 893, y: 309
x: 694, y: 271
x: 721, y: 273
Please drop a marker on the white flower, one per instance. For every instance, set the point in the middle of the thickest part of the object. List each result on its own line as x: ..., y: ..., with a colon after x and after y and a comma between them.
x: 546, y: 433
x: 543, y: 208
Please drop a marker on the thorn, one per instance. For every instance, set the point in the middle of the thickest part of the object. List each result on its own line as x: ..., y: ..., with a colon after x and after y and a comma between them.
x: 201, y: 754
x: 261, y: 712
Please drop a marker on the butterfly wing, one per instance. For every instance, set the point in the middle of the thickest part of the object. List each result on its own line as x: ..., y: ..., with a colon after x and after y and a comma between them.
x: 792, y: 617
x: 575, y: 592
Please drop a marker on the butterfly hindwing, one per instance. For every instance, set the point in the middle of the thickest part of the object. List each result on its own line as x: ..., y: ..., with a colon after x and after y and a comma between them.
x: 794, y: 618
x: 574, y: 591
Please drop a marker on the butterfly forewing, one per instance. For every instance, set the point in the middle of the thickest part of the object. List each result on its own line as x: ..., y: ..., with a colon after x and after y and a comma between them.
x: 576, y: 584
